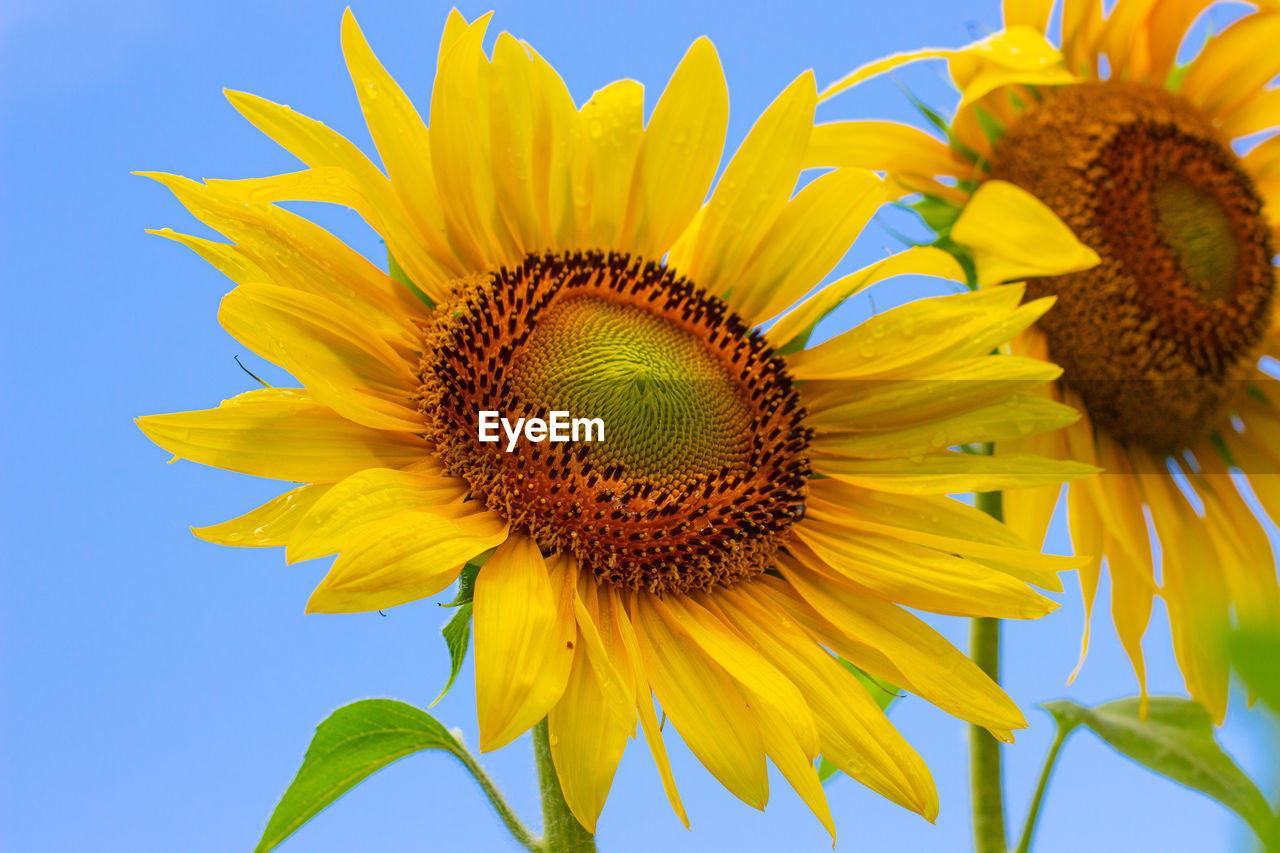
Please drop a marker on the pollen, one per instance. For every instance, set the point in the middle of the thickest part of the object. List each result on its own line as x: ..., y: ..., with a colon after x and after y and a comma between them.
x: 703, y: 466
x: 1160, y: 337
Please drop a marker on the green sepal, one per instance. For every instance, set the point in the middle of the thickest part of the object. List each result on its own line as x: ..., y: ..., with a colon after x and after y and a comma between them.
x: 457, y: 637
x: 940, y: 123
x: 397, y: 272
x: 457, y: 631
x: 352, y: 743
x: 991, y: 127
x: 1176, y: 741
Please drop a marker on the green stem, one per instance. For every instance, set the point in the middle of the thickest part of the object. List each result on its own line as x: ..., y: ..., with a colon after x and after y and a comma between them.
x: 518, y: 830
x: 985, y: 780
x: 1029, y: 828
x: 561, y: 832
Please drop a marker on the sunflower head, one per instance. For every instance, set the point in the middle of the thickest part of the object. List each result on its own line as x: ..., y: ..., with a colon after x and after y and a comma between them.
x: 752, y: 509
x: 1159, y: 337
x: 702, y: 465
x: 1165, y: 324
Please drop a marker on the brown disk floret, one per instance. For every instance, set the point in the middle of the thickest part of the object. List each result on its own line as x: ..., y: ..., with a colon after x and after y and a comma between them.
x: 703, y: 465
x: 1159, y: 337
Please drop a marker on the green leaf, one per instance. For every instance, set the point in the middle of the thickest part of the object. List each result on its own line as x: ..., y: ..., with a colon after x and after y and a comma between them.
x: 353, y: 742
x: 1176, y: 741
x: 457, y: 636
x: 457, y: 631
x: 397, y: 272
x: 990, y: 125
x: 467, y: 581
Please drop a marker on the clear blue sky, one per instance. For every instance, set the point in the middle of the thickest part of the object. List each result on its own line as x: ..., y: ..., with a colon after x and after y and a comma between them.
x: 158, y: 691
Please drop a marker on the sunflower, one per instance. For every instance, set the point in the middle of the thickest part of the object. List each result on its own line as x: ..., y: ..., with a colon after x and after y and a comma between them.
x: 749, y: 515
x: 1162, y: 343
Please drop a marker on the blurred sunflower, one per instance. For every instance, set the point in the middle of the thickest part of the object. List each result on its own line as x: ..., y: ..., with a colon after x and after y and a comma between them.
x: 693, y: 555
x: 1161, y: 342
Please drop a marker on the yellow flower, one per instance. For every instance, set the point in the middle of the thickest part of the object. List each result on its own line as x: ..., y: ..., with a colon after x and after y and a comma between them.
x: 1160, y: 342
x: 693, y: 554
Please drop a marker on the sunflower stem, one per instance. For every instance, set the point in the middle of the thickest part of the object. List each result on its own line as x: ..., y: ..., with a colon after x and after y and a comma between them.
x: 509, y: 818
x: 1033, y: 814
x: 561, y: 832
x: 985, y: 780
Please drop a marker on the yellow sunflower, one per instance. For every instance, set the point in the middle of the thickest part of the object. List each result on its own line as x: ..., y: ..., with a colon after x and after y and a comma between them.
x: 749, y: 514
x: 1161, y: 342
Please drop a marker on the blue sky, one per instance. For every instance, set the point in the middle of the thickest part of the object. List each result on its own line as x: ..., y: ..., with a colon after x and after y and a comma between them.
x: 156, y: 691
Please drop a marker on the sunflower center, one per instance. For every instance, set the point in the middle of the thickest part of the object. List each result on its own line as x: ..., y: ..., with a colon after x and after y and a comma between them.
x: 672, y: 409
x: 703, y: 464
x: 1198, y: 232
x: 1157, y: 339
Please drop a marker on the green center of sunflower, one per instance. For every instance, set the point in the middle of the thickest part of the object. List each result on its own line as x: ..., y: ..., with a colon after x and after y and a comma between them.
x: 703, y: 463
x: 1160, y: 337
x: 671, y: 408
x: 1198, y: 232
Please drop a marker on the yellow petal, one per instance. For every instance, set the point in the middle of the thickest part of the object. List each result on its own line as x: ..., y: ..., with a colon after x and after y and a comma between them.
x: 322, y: 148
x: 1013, y: 418
x: 630, y: 646
x: 558, y: 143
x: 1125, y: 39
x: 614, y: 125
x: 1246, y: 560
x: 519, y: 139
x: 924, y: 395
x: 1014, y: 235
x: 403, y: 558
x: 1013, y: 56
x: 1086, y: 538
x: 1259, y: 113
x: 343, y: 363
x: 926, y: 331
x: 460, y: 158
x: 1235, y: 64
x: 398, y: 133
x: 285, y: 438
x: 880, y: 66
x: 1197, y: 600
x: 268, y: 525
x: 810, y: 236
x: 950, y: 472
x: 855, y: 734
x: 1165, y: 30
x: 796, y: 765
x: 920, y: 260
x: 751, y: 193
x: 226, y: 258
x: 524, y: 627
x: 883, y: 146
x: 586, y: 744
x: 701, y: 701
x: 1081, y: 26
x: 930, y: 666
x: 307, y: 139
x: 834, y: 503
x: 743, y: 664
x: 1028, y: 512
x: 368, y: 497
x: 679, y: 154
x: 915, y: 576
x: 298, y: 254
x: 1027, y: 13
x: 597, y: 639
